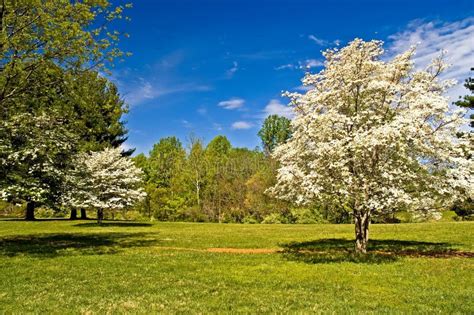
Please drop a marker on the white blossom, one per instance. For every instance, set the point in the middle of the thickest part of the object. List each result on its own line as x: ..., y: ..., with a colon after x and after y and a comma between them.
x: 375, y: 135
x: 104, y: 180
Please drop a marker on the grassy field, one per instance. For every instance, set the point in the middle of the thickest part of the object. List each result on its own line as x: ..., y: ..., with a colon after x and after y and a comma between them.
x: 79, y: 267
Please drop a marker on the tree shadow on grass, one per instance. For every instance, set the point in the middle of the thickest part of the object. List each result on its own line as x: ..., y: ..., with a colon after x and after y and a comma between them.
x: 379, y: 251
x: 114, y: 224
x: 65, y: 244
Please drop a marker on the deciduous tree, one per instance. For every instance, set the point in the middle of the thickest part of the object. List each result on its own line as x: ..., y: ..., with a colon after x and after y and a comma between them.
x: 104, y: 180
x: 375, y: 134
x: 275, y: 130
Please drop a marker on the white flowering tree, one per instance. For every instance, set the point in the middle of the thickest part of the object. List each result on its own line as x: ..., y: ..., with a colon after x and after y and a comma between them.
x: 374, y: 135
x: 104, y: 180
x: 35, y: 153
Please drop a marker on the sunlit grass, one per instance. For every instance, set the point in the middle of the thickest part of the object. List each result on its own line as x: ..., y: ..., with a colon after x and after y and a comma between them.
x: 77, y: 266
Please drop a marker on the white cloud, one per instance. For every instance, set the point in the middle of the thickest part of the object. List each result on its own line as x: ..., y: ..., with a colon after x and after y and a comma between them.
x: 318, y: 41
x: 323, y: 42
x: 233, y: 103
x: 433, y: 37
x: 235, y: 67
x: 241, y: 125
x: 287, y: 66
x: 186, y: 124
x: 312, y: 63
x: 275, y: 107
x: 202, y: 111
x: 306, y: 64
x: 145, y: 90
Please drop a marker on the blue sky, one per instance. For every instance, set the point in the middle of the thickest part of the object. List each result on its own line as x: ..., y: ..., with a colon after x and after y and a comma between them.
x: 210, y: 67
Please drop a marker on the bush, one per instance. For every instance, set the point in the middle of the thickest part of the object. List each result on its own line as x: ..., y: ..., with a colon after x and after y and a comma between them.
x: 10, y: 210
x: 275, y: 218
x: 464, y: 210
x: 250, y: 220
x: 47, y: 213
x: 192, y: 214
x: 306, y: 216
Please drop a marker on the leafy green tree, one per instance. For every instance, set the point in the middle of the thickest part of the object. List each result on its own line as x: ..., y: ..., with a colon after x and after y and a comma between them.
x: 465, y: 209
x: 36, y: 145
x: 275, y: 130
x: 71, y: 34
x: 163, y: 167
x: 216, y: 155
x: 165, y: 159
x: 196, y: 169
x: 45, y: 46
x: 95, y: 112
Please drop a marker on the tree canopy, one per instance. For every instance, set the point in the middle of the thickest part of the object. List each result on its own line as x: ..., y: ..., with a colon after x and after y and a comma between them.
x: 375, y: 135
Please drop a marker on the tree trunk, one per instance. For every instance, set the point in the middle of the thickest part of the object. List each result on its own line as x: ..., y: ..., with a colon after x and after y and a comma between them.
x: 83, y: 214
x: 362, y: 221
x: 100, y: 216
x: 30, y: 211
x: 73, y: 214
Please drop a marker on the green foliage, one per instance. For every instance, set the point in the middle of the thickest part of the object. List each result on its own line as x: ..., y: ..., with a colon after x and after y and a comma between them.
x: 219, y: 183
x: 275, y: 218
x: 37, y: 33
x: 53, y: 103
x: 275, y: 130
x: 165, y: 160
x: 95, y: 111
x: 464, y: 209
x: 467, y: 101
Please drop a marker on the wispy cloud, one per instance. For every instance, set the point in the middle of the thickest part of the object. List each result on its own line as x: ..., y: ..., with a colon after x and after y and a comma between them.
x: 233, y: 103
x: 311, y: 63
x: 241, y: 125
x: 306, y: 64
x: 323, y: 42
x: 144, y: 90
x: 433, y: 37
x: 186, y: 124
x: 275, y: 107
x: 318, y: 41
x: 231, y: 72
x: 286, y: 66
x: 202, y: 111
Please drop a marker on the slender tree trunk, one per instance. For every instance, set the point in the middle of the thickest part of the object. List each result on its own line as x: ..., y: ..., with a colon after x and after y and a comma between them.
x: 30, y: 211
x: 73, y: 214
x: 100, y: 216
x: 198, y: 193
x: 83, y: 214
x: 361, y: 220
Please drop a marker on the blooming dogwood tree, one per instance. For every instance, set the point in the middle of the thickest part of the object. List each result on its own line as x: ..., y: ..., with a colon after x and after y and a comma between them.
x: 104, y: 180
x: 374, y: 135
x: 34, y: 158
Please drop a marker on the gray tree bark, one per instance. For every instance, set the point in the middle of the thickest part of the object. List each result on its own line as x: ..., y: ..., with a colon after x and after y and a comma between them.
x: 362, y: 221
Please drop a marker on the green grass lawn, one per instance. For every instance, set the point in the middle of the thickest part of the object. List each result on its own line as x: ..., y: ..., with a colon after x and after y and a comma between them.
x: 79, y: 267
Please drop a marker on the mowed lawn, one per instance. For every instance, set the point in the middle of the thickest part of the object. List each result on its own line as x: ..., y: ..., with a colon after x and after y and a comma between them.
x: 78, y: 267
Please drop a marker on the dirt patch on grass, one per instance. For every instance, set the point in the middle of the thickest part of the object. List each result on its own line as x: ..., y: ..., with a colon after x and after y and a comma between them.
x: 242, y: 250
x: 224, y: 250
